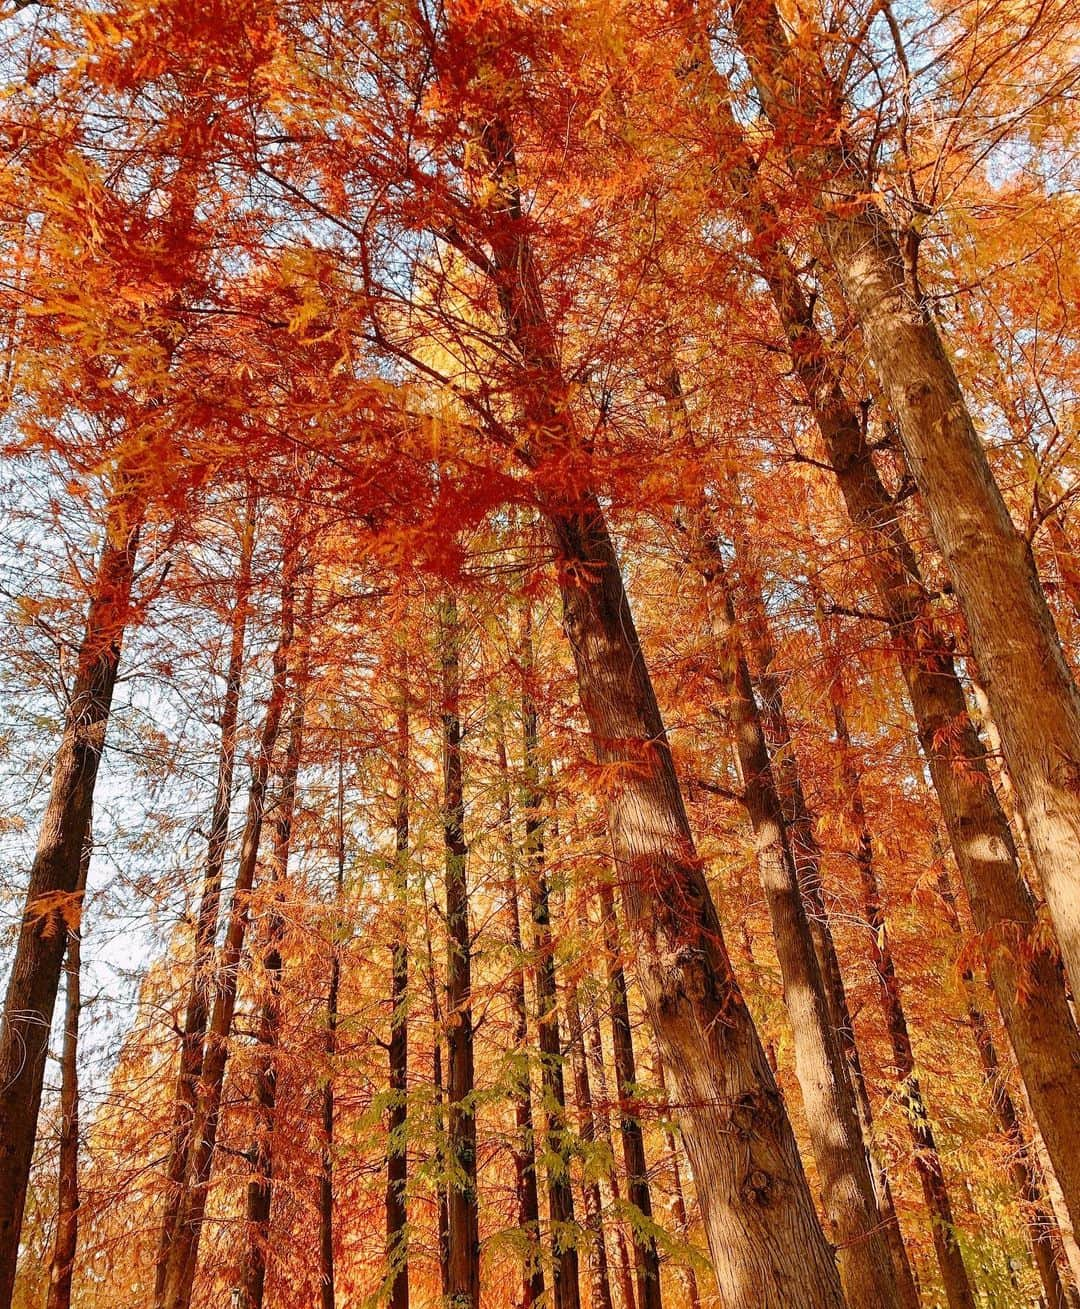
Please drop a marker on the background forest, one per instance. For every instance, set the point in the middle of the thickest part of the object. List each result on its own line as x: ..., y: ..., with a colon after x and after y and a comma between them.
x: 540, y: 566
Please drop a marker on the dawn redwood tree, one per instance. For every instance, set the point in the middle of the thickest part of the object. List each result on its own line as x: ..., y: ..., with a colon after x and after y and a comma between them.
x: 398, y: 1047
x: 1032, y: 693
x: 53, y: 900
x: 462, y: 1234
x: 200, y: 986
x: 1037, y: 1014
x: 65, y: 1245
x: 707, y: 1036
x: 180, y: 1258
x: 525, y: 1183
x: 260, y: 1189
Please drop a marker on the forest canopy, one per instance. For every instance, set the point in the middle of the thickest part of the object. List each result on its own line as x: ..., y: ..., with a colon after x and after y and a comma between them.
x: 540, y: 564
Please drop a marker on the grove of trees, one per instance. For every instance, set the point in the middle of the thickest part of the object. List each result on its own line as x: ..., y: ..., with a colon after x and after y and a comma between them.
x: 540, y: 562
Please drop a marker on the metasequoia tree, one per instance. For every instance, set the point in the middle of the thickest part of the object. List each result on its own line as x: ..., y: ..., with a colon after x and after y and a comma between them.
x: 458, y: 464
x: 1033, y: 695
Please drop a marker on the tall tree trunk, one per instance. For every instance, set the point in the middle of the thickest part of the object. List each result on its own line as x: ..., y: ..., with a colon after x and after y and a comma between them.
x: 1039, y: 1022
x: 950, y: 1259
x: 326, y: 1170
x: 678, y: 1201
x: 463, y: 1229
x: 599, y: 1282
x: 525, y: 1147
x: 646, y: 1255
x: 767, y: 1244
x: 260, y: 1191
x: 866, y: 1266
x: 397, y: 1254
x: 1033, y: 697
x: 182, y: 1254
x: 565, y: 1277
x: 66, y: 1240
x: 596, y: 1061
x: 200, y: 986
x: 52, y: 893
x: 442, y: 1209
x: 1044, y: 1236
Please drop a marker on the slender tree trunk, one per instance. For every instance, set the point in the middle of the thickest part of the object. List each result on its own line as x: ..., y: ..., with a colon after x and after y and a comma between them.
x: 397, y: 1254
x: 646, y: 1255
x: 1044, y: 1236
x: 260, y: 1188
x: 1033, y: 697
x: 66, y: 1241
x: 463, y: 1230
x: 525, y: 1148
x: 565, y: 1277
x: 596, y: 1061
x: 828, y: 1097
x: 182, y: 1255
x: 599, y: 1282
x: 326, y: 1171
x: 950, y: 1259
x: 678, y: 1201
x: 1039, y: 1022
x: 52, y: 893
x: 767, y: 1245
x: 200, y: 986
x: 442, y: 1209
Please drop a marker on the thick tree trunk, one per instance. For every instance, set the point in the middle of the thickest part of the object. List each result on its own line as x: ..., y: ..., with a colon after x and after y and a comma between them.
x: 462, y: 1228
x: 182, y: 1255
x: 524, y: 1149
x: 646, y: 1255
x: 200, y: 987
x: 565, y: 1281
x: 828, y: 1097
x: 52, y: 898
x: 397, y: 1254
x: 767, y: 1245
x: 326, y: 1170
x: 950, y: 1259
x: 1040, y: 1025
x: 1033, y: 697
x: 599, y: 1282
x: 599, y: 1075
x: 260, y: 1192
x: 66, y: 1241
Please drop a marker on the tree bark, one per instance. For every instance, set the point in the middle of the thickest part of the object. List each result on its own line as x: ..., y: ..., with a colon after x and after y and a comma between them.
x: 599, y: 1281
x: 950, y: 1259
x: 397, y: 1253
x: 1040, y: 1025
x: 462, y: 1220
x: 260, y: 1190
x: 525, y: 1148
x: 182, y: 1255
x: 866, y: 1266
x: 1044, y: 1236
x: 66, y: 1241
x: 596, y: 1061
x: 52, y: 893
x: 200, y: 986
x: 807, y: 856
x: 646, y: 1255
x: 326, y: 1170
x: 1033, y: 697
x: 678, y: 1202
x: 767, y: 1245
x: 565, y: 1279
